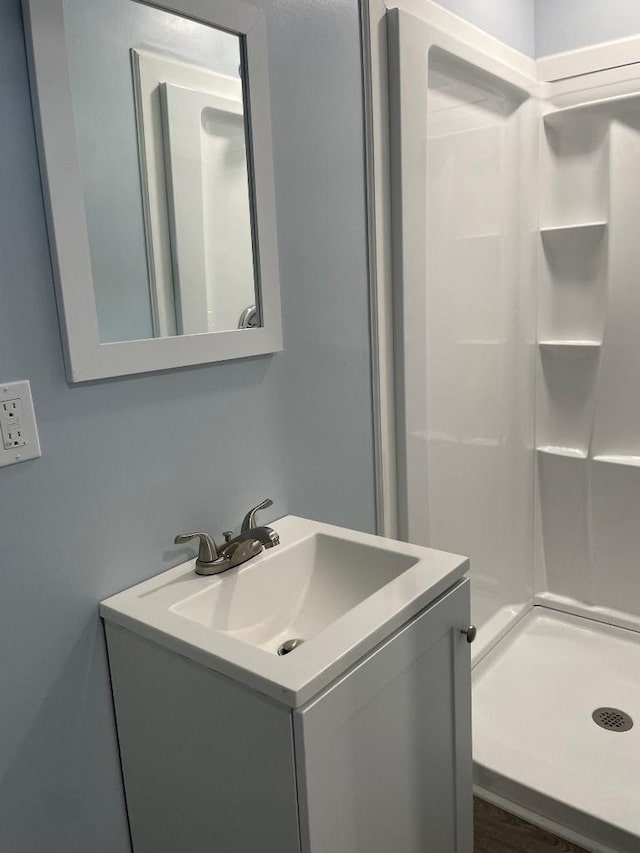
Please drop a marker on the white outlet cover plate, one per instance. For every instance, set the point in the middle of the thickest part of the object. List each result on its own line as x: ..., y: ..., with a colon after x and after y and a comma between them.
x: 30, y: 449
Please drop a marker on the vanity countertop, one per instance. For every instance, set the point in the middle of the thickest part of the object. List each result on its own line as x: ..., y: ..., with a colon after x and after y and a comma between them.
x: 340, y: 591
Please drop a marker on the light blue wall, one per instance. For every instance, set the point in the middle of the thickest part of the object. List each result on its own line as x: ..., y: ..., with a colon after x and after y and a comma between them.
x: 128, y: 463
x: 542, y: 27
x: 569, y: 24
x: 512, y: 21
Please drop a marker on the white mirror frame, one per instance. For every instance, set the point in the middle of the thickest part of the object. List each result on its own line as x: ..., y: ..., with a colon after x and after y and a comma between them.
x: 86, y: 357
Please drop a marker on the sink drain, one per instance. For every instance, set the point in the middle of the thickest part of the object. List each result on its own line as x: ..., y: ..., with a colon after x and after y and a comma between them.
x: 289, y: 646
x: 612, y: 719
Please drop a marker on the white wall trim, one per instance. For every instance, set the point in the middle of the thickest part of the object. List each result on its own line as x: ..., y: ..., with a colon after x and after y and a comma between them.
x: 586, y: 60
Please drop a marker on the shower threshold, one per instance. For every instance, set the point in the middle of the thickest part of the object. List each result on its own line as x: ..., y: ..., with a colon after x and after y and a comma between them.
x: 537, y: 746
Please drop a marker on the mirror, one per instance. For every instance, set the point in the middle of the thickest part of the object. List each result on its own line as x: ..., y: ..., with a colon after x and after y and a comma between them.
x: 157, y: 115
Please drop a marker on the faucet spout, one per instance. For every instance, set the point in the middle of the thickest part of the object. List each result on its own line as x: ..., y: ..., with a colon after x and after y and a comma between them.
x: 266, y: 535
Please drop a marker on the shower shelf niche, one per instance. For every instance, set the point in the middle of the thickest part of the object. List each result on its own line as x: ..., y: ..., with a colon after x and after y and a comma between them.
x: 573, y: 344
x: 574, y: 206
x: 570, y: 452
x: 566, y: 394
x: 573, y: 274
x: 580, y: 228
x: 602, y: 110
x: 612, y: 459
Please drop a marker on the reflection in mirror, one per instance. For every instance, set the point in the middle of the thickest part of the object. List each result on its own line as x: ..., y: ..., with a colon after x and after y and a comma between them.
x: 162, y: 144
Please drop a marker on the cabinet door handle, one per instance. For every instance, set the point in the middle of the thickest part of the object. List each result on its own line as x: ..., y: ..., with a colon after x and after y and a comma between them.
x: 470, y: 633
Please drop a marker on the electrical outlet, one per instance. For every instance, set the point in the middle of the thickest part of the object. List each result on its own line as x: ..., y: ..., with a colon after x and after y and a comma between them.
x: 11, y: 424
x: 18, y: 431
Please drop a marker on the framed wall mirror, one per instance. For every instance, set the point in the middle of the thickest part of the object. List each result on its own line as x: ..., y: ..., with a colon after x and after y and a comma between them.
x: 155, y: 145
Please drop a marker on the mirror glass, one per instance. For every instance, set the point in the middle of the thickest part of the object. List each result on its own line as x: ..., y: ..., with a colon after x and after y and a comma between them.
x: 162, y: 141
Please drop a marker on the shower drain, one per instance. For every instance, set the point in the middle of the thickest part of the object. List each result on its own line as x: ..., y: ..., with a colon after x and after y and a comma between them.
x: 612, y: 719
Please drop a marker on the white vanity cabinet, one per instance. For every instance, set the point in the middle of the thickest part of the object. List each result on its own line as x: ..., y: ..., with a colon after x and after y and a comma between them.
x: 378, y: 762
x: 383, y: 758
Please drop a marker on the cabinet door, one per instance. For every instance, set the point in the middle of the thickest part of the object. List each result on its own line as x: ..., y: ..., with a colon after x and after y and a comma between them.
x: 384, y: 756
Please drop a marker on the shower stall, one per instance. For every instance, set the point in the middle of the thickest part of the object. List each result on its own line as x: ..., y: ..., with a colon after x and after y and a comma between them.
x: 512, y: 206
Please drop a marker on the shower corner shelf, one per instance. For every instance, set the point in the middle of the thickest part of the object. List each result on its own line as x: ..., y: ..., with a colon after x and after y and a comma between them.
x: 567, y: 452
x: 571, y: 344
x: 558, y: 116
x: 614, y: 459
x: 574, y: 227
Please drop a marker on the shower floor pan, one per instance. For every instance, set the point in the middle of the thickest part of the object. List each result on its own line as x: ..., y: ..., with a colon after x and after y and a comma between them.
x: 537, y: 749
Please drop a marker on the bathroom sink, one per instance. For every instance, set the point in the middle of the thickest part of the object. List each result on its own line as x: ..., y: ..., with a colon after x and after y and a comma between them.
x: 295, y: 592
x: 338, y: 591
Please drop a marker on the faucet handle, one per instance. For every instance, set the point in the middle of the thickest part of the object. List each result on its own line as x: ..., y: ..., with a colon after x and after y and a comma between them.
x: 249, y: 521
x: 207, y: 551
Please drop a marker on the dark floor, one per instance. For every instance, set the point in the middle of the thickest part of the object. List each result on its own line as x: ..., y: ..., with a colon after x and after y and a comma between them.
x: 499, y: 832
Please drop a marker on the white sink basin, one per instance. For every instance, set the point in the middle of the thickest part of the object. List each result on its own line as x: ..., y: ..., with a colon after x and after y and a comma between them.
x: 339, y: 591
x: 294, y: 592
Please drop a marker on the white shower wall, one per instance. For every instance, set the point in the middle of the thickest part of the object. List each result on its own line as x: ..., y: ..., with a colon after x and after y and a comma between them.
x: 519, y: 404
x: 588, y: 394
x: 516, y: 253
x: 480, y: 329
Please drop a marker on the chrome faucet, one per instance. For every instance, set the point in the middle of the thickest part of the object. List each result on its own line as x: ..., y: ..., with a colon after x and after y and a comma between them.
x: 213, y: 561
x: 251, y: 541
